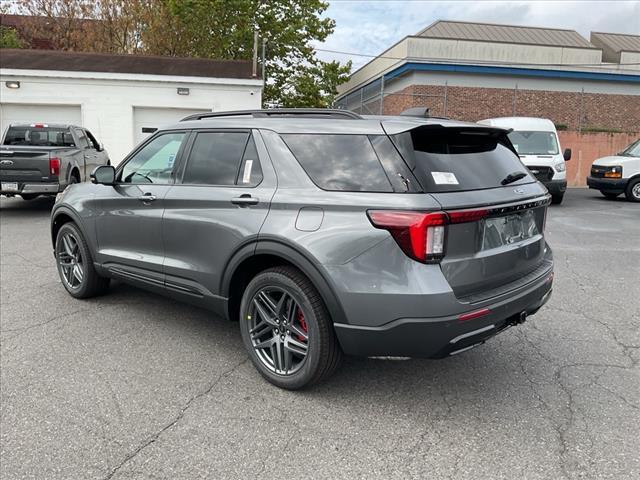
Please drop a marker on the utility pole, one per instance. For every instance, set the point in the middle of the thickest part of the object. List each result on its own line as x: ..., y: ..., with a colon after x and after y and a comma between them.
x: 254, y: 72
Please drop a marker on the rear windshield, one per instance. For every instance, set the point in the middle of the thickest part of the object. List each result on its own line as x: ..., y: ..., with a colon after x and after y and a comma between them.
x: 534, y: 143
x: 457, y: 159
x: 39, y: 136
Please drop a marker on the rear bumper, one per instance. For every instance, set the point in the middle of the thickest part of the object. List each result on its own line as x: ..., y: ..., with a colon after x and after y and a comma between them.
x: 556, y: 187
x: 443, y: 336
x: 34, y: 188
x: 609, y: 185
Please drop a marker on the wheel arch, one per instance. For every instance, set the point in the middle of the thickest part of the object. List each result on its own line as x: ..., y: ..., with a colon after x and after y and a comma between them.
x: 59, y: 218
x: 254, y: 258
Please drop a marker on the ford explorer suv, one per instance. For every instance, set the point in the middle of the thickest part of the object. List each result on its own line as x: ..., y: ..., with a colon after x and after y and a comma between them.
x: 42, y: 159
x: 618, y: 174
x: 537, y: 143
x: 321, y: 232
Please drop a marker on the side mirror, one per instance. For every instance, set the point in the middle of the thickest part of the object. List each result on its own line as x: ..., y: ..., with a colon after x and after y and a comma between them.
x: 104, y: 175
x: 567, y: 154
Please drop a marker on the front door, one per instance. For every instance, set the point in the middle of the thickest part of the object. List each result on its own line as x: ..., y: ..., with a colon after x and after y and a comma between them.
x: 218, y: 203
x: 129, y: 222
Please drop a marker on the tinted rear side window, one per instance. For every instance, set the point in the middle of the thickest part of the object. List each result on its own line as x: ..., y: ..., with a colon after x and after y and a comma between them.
x: 339, y: 162
x: 215, y: 158
x: 455, y: 159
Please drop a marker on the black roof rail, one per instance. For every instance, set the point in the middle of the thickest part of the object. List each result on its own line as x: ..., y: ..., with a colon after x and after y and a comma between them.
x: 277, y: 112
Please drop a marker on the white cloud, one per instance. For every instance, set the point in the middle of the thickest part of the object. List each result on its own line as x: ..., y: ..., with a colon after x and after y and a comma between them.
x: 370, y: 27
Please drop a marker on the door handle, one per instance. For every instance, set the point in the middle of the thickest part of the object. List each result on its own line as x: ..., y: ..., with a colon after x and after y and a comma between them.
x: 147, y: 197
x: 245, y: 200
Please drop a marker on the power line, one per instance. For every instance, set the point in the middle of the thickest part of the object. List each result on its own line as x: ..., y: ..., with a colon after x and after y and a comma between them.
x: 475, y: 62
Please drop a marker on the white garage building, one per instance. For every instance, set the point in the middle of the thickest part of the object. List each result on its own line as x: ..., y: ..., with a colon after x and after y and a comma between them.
x: 119, y: 98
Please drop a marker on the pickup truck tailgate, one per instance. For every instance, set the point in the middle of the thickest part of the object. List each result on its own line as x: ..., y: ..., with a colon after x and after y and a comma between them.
x: 24, y: 164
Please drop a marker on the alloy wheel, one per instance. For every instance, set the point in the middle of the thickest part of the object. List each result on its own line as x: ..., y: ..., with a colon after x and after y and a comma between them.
x: 70, y: 260
x: 278, y: 330
x: 636, y: 190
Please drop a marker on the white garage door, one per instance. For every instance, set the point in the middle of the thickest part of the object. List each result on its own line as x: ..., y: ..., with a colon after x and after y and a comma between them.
x: 20, y: 113
x: 147, y: 119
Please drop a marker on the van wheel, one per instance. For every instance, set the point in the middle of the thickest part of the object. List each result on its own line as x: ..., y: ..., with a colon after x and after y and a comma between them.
x: 287, y: 330
x: 75, y: 265
x: 557, y: 199
x: 632, y: 191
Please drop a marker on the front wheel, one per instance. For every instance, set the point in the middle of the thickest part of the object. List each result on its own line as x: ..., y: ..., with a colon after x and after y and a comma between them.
x: 632, y: 192
x: 75, y: 265
x: 287, y: 330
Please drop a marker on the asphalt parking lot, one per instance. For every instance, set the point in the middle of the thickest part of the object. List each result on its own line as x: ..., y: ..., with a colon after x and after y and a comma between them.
x: 134, y: 386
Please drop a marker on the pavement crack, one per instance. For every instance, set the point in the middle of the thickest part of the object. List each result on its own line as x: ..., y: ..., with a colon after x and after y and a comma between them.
x: 153, y: 438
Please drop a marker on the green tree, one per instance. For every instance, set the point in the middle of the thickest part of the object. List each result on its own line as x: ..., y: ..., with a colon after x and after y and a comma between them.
x: 225, y: 29
x: 9, y: 38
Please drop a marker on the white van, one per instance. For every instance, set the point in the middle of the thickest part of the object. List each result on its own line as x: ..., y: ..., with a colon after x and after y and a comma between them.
x: 536, y: 141
x: 618, y: 174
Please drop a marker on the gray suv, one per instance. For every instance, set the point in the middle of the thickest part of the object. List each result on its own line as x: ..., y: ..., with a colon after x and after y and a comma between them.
x: 321, y: 231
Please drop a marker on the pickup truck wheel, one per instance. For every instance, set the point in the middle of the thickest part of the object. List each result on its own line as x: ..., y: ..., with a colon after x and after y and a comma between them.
x: 287, y: 330
x: 75, y: 265
x: 29, y: 196
x: 632, y: 191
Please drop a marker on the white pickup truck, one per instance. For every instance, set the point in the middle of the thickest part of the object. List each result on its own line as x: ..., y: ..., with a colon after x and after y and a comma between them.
x: 42, y: 159
x: 618, y: 174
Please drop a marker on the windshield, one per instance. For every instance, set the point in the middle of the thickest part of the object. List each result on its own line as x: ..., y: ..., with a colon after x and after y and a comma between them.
x: 534, y: 143
x: 39, y: 136
x: 632, y: 150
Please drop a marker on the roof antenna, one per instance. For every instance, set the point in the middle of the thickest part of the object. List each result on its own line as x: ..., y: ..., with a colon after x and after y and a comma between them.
x: 422, y: 112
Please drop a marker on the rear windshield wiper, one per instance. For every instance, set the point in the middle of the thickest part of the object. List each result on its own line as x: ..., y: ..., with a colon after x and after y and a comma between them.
x: 512, y: 177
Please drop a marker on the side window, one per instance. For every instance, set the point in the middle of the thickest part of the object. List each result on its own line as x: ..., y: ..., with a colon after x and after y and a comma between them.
x: 154, y: 163
x: 215, y: 159
x: 250, y: 173
x: 339, y: 162
x: 83, y: 141
x: 92, y: 140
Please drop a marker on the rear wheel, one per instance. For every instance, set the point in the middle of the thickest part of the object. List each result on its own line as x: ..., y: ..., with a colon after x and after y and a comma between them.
x: 557, y: 199
x: 632, y: 191
x: 75, y: 265
x: 29, y: 196
x: 287, y: 330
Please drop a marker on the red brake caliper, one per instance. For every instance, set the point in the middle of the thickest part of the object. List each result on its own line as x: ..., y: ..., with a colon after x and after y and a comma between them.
x: 303, y: 324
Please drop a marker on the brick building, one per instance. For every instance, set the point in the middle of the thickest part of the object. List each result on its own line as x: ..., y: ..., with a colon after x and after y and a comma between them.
x: 470, y: 71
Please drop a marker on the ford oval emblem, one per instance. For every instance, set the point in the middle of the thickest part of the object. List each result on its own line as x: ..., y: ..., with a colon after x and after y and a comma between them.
x: 519, y: 191
x: 6, y: 162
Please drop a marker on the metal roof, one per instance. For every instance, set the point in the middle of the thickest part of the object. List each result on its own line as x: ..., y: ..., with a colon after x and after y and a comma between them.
x: 617, y: 42
x: 488, y: 32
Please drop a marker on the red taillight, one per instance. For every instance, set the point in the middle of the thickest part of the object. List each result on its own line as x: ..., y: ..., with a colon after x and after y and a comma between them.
x: 421, y: 235
x: 54, y: 166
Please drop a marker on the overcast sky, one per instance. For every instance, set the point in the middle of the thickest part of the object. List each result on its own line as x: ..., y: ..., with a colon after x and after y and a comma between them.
x: 370, y: 27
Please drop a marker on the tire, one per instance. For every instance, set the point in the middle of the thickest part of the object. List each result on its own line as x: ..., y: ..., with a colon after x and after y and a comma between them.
x: 609, y: 195
x: 72, y: 253
x: 29, y: 196
x: 303, y: 313
x: 632, y: 192
x: 557, y: 199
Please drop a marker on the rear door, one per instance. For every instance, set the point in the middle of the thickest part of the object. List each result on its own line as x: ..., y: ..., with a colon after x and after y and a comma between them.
x: 129, y: 220
x: 88, y: 157
x: 476, y: 171
x: 218, y: 204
